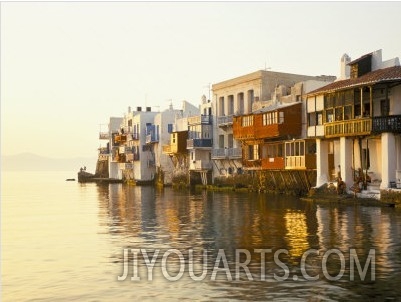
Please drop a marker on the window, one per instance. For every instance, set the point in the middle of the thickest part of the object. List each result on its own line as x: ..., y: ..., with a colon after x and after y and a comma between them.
x: 281, y: 119
x: 240, y: 98
x: 312, y: 120
x: 333, y: 107
x: 384, y: 107
x: 329, y: 115
x: 315, y: 118
x: 339, y: 113
x: 347, y: 112
x: 247, y: 121
x: 221, y: 141
x: 319, y: 117
x: 365, y: 159
x: 230, y: 141
x: 253, y: 152
x: 221, y: 106
x: 269, y: 118
x: 310, y: 147
x: 230, y: 105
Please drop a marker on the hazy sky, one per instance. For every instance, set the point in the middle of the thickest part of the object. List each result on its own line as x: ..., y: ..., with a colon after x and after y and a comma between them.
x: 67, y: 66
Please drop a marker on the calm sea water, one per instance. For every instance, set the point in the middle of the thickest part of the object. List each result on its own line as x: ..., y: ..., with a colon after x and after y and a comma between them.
x: 65, y: 241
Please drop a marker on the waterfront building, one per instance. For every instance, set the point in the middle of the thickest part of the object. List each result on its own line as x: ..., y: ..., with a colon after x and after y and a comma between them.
x: 135, y: 156
x: 164, y: 126
x: 356, y: 122
x: 190, y: 145
x: 136, y: 153
x: 199, y: 144
x: 113, y: 130
x: 273, y: 136
x: 250, y: 123
x: 176, y: 150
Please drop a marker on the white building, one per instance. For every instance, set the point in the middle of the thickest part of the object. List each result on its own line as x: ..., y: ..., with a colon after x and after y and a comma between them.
x: 357, y: 123
x: 164, y: 125
x: 242, y: 96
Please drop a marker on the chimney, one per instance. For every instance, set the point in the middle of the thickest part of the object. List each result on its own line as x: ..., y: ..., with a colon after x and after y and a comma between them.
x: 345, y: 69
x: 129, y: 109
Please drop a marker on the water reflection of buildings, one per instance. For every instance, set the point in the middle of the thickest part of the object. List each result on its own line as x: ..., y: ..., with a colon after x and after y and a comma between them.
x: 144, y: 217
x: 362, y: 229
x: 297, y: 232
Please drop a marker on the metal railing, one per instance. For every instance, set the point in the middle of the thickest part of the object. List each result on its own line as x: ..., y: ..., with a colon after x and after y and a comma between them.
x: 224, y: 120
x: 199, y: 143
x: 390, y: 123
x: 227, y: 153
x: 200, y: 119
x: 104, y: 135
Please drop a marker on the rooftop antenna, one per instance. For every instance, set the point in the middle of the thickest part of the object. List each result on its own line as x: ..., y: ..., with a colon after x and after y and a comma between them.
x: 208, y: 87
x: 266, y: 68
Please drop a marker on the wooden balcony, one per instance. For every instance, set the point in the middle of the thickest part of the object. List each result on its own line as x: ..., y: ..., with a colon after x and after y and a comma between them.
x: 301, y: 162
x: 282, y: 122
x: 241, y: 132
x: 390, y: 123
x: 166, y: 149
x: 120, y: 138
x: 252, y: 164
x: 273, y: 163
x: 355, y: 127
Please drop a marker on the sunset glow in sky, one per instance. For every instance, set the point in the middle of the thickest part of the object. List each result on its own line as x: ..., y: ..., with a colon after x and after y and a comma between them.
x: 66, y: 67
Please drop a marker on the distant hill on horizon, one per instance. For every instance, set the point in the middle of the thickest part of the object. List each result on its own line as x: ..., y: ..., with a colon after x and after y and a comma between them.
x: 34, y: 162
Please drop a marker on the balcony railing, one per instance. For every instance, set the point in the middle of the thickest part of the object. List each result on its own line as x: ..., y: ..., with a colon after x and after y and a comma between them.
x: 273, y: 163
x: 200, y: 119
x: 223, y: 121
x: 104, y: 135
x: 390, y: 123
x: 219, y: 153
x: 151, y: 138
x: 234, y: 153
x: 301, y: 162
x: 122, y: 138
x: 135, y: 136
x: 104, y: 150
x: 356, y: 127
x: 199, y: 143
x: 255, y: 164
x: 227, y: 153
